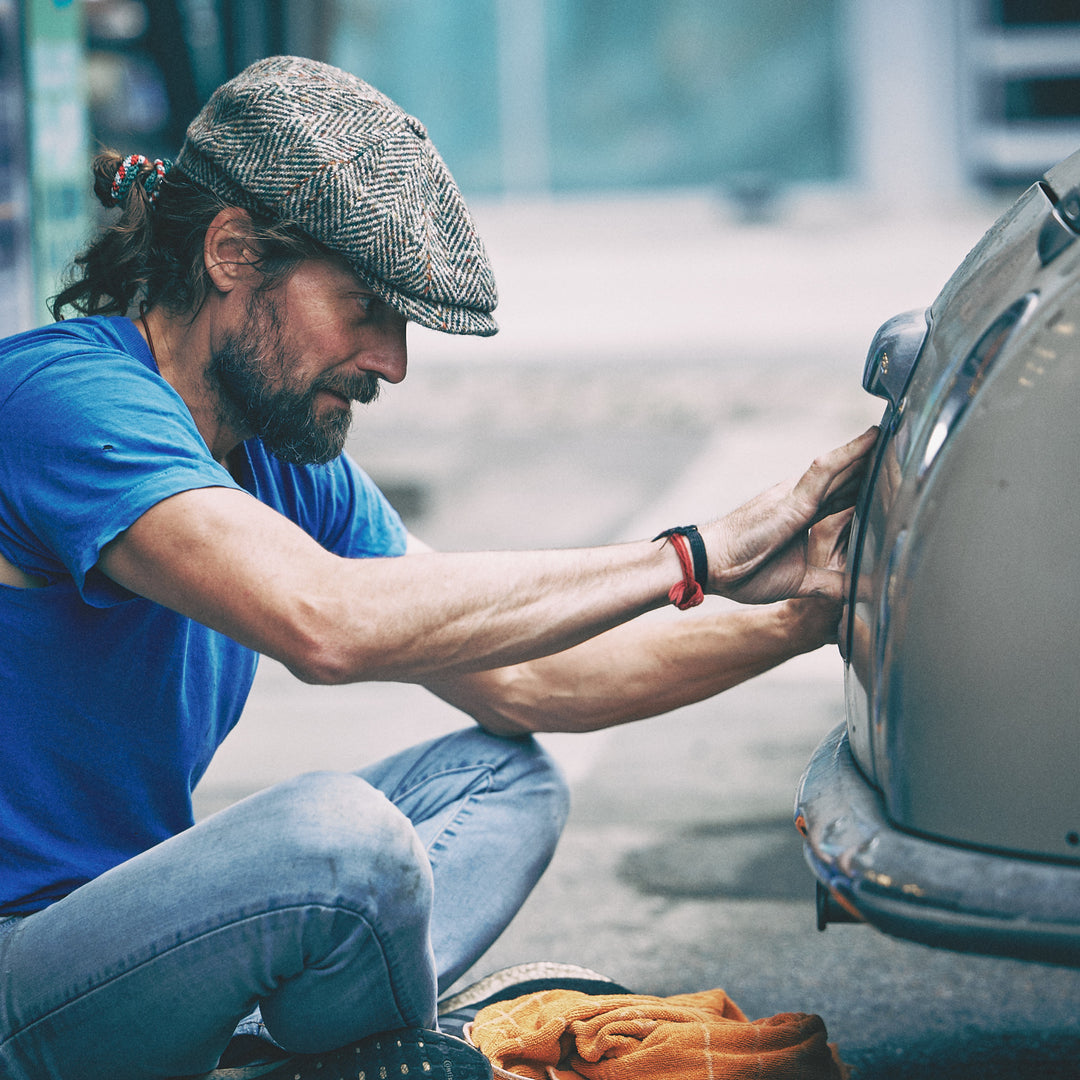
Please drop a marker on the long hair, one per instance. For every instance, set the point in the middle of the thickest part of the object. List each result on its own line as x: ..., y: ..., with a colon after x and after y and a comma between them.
x: 153, y: 254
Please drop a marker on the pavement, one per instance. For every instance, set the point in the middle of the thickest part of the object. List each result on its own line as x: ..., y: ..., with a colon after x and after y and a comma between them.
x: 660, y: 361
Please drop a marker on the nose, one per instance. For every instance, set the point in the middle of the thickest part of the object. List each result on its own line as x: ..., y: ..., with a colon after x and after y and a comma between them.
x: 387, y: 352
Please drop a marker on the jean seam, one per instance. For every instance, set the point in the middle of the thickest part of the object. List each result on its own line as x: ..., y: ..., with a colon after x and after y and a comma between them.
x: 462, y: 812
x: 486, y: 769
x: 15, y: 1034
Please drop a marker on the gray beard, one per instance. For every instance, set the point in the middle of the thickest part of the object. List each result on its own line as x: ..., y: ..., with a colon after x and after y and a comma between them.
x: 283, y: 416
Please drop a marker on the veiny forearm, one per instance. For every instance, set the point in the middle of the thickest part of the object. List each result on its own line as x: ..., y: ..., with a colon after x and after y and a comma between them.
x: 225, y: 560
x: 641, y: 669
x: 473, y: 611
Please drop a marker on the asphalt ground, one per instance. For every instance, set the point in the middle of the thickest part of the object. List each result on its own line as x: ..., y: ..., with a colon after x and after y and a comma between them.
x: 629, y: 391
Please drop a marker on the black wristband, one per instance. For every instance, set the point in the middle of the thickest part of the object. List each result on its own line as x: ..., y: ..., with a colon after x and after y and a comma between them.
x: 697, y: 550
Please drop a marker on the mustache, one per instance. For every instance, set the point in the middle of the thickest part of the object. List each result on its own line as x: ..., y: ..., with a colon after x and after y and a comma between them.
x: 363, y: 386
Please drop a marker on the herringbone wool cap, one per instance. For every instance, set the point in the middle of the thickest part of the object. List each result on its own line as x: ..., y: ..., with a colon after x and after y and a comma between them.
x: 314, y: 145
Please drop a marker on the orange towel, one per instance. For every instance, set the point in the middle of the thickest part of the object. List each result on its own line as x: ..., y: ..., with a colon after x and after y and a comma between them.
x: 567, y: 1035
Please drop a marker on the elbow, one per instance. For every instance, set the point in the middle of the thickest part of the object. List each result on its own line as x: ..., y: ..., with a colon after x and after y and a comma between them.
x: 481, y: 695
x: 319, y: 658
x: 503, y: 701
x: 334, y: 658
x: 324, y: 642
x: 504, y: 725
x: 321, y: 669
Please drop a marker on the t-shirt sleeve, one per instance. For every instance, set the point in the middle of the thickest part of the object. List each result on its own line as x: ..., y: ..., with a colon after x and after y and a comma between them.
x: 337, y: 503
x: 89, y: 443
x: 370, y: 525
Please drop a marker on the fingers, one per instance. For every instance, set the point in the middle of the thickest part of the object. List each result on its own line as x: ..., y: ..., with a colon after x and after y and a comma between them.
x: 847, y: 463
x: 829, y: 540
x: 832, y: 481
x: 858, y: 447
x: 759, y: 552
x: 826, y: 556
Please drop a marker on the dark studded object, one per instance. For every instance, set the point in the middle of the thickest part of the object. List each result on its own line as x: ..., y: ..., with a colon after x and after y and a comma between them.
x: 411, y: 1053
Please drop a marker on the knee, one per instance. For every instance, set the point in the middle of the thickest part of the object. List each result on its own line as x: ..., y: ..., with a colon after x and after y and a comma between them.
x: 343, y: 839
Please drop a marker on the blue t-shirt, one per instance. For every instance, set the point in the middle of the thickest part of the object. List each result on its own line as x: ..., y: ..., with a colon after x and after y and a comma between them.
x: 111, y: 706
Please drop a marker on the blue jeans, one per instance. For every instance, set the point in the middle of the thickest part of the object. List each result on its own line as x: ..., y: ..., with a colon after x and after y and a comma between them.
x: 338, y: 904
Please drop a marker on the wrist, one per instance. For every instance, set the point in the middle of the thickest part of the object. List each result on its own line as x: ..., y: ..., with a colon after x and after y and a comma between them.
x: 689, y: 547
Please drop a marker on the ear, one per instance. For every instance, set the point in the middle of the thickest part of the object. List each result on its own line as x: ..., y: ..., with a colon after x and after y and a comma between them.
x: 228, y: 250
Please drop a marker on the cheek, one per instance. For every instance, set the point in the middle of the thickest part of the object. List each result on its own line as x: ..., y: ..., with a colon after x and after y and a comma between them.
x: 326, y: 331
x: 313, y: 345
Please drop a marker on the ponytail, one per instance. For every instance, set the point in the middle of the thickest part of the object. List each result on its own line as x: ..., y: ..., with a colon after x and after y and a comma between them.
x: 154, y: 253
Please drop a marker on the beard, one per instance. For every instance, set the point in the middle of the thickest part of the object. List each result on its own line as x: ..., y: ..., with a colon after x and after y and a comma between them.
x: 256, y: 391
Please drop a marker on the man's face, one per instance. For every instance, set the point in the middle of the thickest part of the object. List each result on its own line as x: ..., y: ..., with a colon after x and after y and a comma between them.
x: 308, y: 349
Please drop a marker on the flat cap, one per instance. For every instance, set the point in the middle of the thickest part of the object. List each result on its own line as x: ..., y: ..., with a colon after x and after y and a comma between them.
x: 308, y: 143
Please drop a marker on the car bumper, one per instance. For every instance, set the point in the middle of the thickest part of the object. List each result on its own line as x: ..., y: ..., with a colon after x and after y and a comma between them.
x: 924, y: 890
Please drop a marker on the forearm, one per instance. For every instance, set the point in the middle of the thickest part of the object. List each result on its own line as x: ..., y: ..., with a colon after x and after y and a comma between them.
x: 341, y: 620
x: 641, y: 669
x: 475, y: 611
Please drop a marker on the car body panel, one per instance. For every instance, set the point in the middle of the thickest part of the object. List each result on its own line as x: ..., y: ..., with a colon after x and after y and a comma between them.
x: 963, y: 613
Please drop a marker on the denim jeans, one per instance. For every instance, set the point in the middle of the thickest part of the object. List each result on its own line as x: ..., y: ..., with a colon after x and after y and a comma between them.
x: 337, y: 904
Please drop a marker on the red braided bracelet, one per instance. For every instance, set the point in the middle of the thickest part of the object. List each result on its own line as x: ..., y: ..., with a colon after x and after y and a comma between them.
x: 689, y: 592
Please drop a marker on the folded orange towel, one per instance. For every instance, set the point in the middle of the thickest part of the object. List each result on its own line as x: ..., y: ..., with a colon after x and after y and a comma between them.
x: 567, y: 1035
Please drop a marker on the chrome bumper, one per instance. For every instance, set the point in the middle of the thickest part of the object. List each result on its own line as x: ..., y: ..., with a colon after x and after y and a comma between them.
x: 936, y: 893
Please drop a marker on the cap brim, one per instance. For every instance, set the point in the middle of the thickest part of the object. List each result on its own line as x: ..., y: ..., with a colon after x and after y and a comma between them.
x: 446, y: 318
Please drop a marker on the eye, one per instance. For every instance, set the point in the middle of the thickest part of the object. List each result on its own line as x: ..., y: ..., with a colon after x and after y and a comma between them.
x: 367, y: 307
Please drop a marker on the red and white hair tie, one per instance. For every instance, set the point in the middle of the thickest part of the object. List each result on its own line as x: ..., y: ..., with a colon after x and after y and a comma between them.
x: 128, y: 172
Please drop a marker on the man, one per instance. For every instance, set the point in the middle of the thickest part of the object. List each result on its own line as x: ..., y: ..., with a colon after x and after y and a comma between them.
x: 174, y: 501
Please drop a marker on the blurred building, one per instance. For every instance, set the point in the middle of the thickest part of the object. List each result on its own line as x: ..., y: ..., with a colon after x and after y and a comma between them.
x: 951, y: 94
x: 43, y: 151
x: 901, y: 103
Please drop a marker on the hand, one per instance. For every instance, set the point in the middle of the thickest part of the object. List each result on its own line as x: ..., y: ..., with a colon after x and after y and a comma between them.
x: 815, y: 620
x: 767, y: 550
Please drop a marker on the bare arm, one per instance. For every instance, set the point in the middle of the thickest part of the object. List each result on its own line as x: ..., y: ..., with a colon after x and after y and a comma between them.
x: 230, y: 562
x: 652, y: 665
x: 224, y: 559
x: 642, y: 669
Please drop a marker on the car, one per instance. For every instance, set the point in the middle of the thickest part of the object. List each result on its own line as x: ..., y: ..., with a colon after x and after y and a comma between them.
x: 946, y: 808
